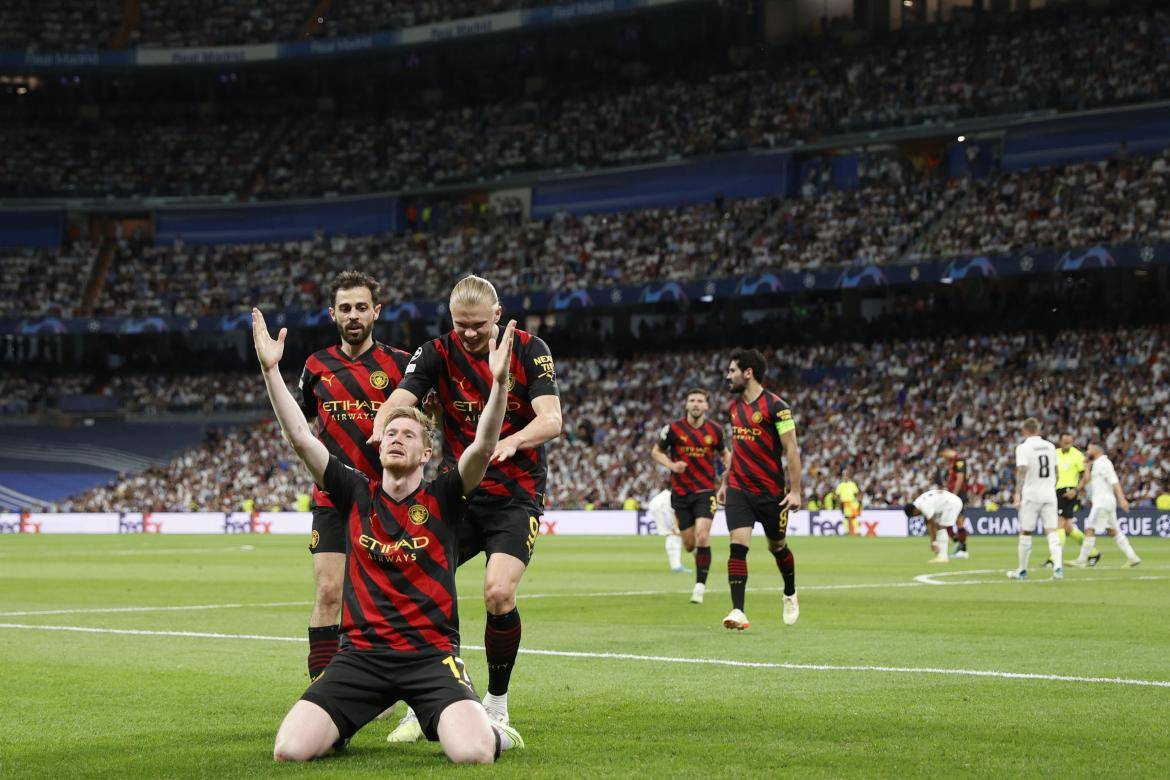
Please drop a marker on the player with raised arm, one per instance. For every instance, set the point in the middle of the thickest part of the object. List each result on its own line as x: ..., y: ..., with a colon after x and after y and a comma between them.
x: 1106, y: 495
x: 688, y: 448
x: 753, y: 488
x: 503, y: 520
x: 942, y: 510
x: 1035, y: 497
x: 400, y: 618
x: 342, y: 387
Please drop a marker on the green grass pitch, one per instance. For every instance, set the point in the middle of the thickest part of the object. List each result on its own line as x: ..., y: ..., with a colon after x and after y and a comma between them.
x: 620, y: 676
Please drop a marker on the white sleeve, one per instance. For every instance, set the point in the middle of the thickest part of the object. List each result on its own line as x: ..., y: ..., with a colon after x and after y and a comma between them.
x: 1021, y: 456
x: 1110, y: 475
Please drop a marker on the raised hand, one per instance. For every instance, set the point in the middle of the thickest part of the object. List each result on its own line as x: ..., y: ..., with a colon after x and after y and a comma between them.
x: 268, y: 350
x: 500, y: 355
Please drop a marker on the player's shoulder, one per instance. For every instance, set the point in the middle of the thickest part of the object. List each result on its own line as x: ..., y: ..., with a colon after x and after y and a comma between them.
x: 393, y: 352
x: 321, y: 359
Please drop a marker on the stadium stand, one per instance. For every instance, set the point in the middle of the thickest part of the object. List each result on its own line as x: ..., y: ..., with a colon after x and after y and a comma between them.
x: 898, y: 216
x: 1055, y: 62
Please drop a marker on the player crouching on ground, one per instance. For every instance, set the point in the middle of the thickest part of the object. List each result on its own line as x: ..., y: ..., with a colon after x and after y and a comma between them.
x: 942, y: 510
x: 399, y: 621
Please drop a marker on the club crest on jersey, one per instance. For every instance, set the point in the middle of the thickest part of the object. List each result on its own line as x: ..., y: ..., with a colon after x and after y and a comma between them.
x: 708, y: 439
x: 511, y: 381
x: 757, y: 417
x: 418, y: 514
x: 379, y: 380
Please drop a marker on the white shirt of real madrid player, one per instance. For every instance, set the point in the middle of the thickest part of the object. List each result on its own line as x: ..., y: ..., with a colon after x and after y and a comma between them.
x: 1106, y: 494
x: 1035, y: 497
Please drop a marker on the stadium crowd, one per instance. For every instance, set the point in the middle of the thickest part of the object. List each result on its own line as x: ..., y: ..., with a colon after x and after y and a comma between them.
x: 881, y: 410
x: 898, y: 215
x: 1074, y: 63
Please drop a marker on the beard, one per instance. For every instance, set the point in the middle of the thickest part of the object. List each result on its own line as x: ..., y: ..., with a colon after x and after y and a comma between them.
x: 736, y: 388
x: 355, y: 337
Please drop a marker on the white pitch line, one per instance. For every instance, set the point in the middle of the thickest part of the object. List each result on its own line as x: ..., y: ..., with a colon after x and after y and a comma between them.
x: 654, y: 658
x: 181, y: 608
x: 923, y: 580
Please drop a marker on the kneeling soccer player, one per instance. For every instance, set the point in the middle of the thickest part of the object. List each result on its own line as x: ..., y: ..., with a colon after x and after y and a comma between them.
x: 399, y: 622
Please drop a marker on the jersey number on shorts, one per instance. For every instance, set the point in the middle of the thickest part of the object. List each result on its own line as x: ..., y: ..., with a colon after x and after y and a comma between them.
x: 714, y: 504
x: 458, y: 669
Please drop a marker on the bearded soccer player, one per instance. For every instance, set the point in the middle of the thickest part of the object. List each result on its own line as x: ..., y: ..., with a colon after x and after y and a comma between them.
x: 503, y: 520
x: 954, y: 480
x: 753, y: 489
x: 1070, y: 465
x: 688, y: 448
x: 400, y: 613
x: 342, y: 387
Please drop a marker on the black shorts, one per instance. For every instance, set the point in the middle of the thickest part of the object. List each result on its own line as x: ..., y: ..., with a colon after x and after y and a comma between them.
x: 328, y: 531
x: 691, y: 506
x: 358, y: 686
x: 744, y: 510
x: 1066, y: 507
x: 493, y: 525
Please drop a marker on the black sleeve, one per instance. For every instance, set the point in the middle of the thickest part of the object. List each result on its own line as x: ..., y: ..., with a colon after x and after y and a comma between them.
x: 342, y: 484
x: 422, y: 371
x: 720, y: 439
x: 448, y: 489
x: 665, y: 438
x: 538, y: 366
x: 308, y: 398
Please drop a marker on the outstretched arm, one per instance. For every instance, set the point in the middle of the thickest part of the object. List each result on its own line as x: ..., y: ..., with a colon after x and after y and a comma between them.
x: 474, y: 461
x: 293, y: 425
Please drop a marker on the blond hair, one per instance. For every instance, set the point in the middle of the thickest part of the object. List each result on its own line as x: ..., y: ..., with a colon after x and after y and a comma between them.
x: 422, y: 418
x: 1031, y: 425
x: 473, y: 290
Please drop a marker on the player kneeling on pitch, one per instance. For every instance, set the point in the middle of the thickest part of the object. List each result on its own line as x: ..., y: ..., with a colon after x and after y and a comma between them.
x: 399, y: 620
x: 942, y: 510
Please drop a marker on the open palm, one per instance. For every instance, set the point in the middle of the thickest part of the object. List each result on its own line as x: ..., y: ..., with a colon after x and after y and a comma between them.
x: 500, y: 355
x: 268, y: 350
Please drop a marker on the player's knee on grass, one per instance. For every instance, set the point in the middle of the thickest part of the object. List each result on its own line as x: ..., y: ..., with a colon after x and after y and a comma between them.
x: 307, y: 732
x: 466, y: 735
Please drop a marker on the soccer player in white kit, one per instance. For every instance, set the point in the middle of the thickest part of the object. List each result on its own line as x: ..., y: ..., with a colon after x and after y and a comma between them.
x: 942, y: 509
x: 1035, y: 497
x: 1106, y: 495
x: 664, y: 520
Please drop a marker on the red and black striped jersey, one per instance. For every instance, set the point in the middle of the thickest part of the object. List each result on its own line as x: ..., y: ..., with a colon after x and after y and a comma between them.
x: 345, y: 394
x: 698, y: 447
x: 399, y: 594
x: 464, y: 382
x: 956, y: 475
x: 756, y: 427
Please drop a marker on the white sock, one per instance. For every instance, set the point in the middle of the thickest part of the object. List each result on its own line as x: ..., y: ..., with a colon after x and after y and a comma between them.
x: 505, y: 740
x: 674, y: 551
x: 940, y: 540
x: 1124, y: 545
x: 1086, y: 547
x: 495, y: 705
x: 1025, y: 551
x: 1055, y: 549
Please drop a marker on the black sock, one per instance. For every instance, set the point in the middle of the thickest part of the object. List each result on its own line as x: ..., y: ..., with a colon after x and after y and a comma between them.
x: 501, y: 640
x: 702, y: 563
x: 786, y: 563
x: 737, y: 574
x: 322, y: 647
